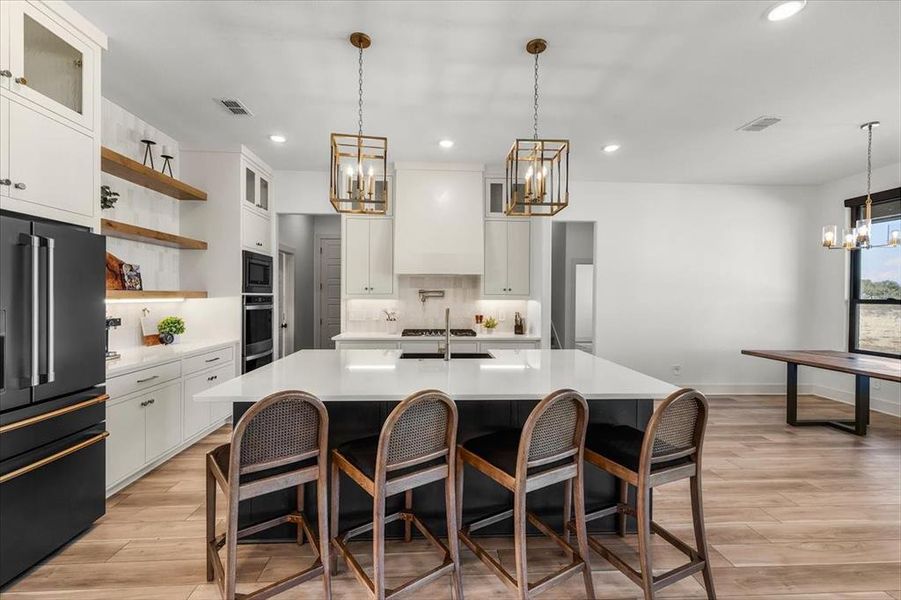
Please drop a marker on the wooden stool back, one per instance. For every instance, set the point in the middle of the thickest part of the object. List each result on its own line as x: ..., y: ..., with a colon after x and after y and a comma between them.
x: 422, y: 428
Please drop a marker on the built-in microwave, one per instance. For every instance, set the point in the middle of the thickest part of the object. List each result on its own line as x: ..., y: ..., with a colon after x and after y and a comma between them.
x: 257, y: 273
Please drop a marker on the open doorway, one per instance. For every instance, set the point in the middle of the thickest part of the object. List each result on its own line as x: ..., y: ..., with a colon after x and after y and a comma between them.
x: 572, y: 285
x: 302, y: 242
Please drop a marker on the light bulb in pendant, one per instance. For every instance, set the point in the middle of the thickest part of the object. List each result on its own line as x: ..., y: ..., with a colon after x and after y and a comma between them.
x: 863, y: 232
x: 829, y: 232
x: 894, y: 238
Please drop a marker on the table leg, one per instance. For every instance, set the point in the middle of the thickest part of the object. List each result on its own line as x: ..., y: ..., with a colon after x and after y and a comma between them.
x: 861, y: 404
x: 791, y: 394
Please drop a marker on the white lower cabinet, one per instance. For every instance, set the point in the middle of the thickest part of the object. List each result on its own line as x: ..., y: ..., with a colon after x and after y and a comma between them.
x: 433, y: 345
x: 151, y: 413
x: 486, y: 345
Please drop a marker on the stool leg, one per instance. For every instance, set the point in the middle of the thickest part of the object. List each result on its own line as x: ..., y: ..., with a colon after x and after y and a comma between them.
x: 231, y: 545
x: 697, y: 516
x: 458, y: 476
x: 643, y: 511
x: 621, y: 517
x: 453, y: 542
x: 519, y: 540
x: 333, y: 513
x: 408, y: 506
x: 378, y: 545
x: 210, y: 520
x: 582, y: 529
x: 567, y: 508
x: 300, y: 502
x: 325, y: 552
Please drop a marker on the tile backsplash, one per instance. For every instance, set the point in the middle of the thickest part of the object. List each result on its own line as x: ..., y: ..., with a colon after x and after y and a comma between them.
x: 462, y: 293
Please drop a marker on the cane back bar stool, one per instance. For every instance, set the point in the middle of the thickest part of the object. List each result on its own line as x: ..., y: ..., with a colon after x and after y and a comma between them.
x: 669, y: 450
x: 281, y: 442
x: 548, y: 450
x: 415, y: 448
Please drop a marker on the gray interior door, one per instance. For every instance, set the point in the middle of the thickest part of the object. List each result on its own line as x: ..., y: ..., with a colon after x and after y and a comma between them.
x: 329, y: 291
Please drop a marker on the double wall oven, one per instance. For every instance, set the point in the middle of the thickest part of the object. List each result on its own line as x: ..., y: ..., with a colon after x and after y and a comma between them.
x: 256, y: 345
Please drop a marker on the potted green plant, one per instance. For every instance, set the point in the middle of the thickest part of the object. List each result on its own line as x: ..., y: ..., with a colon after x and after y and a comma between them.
x: 489, y: 324
x: 170, y: 329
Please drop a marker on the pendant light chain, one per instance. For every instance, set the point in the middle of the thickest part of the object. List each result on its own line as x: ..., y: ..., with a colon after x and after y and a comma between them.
x: 360, y: 96
x: 869, y: 158
x: 535, y: 116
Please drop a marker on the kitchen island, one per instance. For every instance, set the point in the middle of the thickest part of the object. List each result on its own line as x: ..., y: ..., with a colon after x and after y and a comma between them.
x: 360, y: 387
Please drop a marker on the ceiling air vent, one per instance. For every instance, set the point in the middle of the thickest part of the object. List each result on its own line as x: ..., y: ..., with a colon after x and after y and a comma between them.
x: 759, y: 124
x: 235, y: 106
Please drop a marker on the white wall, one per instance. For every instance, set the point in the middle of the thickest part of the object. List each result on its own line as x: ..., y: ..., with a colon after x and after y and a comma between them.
x: 303, y: 192
x: 689, y: 275
x: 827, y: 321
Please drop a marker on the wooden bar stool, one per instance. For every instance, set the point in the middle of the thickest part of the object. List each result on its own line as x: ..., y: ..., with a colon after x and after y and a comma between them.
x: 548, y: 450
x: 415, y: 448
x: 669, y: 450
x: 280, y: 442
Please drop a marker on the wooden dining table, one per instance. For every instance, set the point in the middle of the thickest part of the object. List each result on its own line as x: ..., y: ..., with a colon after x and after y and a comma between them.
x: 862, y: 366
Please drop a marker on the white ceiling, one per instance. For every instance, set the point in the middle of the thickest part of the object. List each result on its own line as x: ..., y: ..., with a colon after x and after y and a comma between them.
x: 670, y: 81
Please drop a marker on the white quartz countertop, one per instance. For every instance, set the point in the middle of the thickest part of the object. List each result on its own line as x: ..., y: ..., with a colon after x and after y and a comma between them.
x: 381, y: 375
x: 143, y: 357
x: 396, y: 337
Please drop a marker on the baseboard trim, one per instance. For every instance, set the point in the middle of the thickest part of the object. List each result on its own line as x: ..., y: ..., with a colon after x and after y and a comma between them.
x: 129, y: 479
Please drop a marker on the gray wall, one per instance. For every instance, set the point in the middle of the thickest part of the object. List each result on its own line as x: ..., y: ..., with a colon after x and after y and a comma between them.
x: 570, y: 241
x: 295, y: 235
x: 558, y: 278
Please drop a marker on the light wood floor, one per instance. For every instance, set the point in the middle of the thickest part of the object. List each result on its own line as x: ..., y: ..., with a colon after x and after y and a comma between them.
x: 792, y: 513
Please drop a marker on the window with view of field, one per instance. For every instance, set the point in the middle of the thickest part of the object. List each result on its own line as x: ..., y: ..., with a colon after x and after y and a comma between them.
x: 876, y: 289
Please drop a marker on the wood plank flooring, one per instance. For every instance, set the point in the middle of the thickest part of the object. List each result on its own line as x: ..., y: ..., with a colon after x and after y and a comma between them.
x: 792, y: 513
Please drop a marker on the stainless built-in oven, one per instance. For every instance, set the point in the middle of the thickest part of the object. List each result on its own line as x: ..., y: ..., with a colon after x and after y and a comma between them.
x: 257, y: 347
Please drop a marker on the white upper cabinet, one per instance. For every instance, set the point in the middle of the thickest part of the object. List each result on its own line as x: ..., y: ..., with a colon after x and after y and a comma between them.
x: 255, y: 182
x: 50, y: 64
x: 507, y: 257
x: 496, y: 197
x: 439, y: 217
x: 368, y: 256
x: 255, y: 235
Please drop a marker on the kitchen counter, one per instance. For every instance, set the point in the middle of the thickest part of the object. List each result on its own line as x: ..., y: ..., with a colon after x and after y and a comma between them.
x: 396, y: 337
x: 381, y: 375
x: 141, y: 357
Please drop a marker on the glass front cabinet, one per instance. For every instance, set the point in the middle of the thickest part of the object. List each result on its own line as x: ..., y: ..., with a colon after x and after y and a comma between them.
x: 257, y: 187
x: 47, y: 63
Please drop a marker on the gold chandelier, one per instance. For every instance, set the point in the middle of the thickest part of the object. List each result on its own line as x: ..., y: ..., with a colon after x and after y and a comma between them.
x: 537, y: 170
x: 859, y: 237
x: 357, y: 183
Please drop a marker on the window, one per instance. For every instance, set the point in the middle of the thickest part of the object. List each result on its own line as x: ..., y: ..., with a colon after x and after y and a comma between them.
x: 875, y: 319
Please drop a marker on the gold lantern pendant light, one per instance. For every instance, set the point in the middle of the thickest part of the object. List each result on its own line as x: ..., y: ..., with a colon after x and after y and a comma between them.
x: 357, y: 183
x: 860, y: 236
x: 537, y: 170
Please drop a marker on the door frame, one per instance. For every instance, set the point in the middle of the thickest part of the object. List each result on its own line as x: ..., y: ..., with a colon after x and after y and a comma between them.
x: 285, y: 304
x: 317, y: 281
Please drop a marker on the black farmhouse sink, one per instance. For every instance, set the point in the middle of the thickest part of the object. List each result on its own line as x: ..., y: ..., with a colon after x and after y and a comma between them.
x: 454, y: 355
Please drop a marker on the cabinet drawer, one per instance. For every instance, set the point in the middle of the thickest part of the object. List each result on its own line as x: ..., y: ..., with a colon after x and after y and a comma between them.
x: 122, y: 385
x: 210, y: 359
x: 255, y: 231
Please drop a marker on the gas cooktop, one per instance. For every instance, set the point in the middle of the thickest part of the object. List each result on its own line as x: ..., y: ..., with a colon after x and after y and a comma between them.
x: 437, y: 333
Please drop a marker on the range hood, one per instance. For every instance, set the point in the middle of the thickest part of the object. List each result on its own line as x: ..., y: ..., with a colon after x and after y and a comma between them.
x: 438, y: 223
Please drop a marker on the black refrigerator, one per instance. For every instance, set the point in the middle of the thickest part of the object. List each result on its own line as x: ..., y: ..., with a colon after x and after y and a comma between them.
x: 52, y: 410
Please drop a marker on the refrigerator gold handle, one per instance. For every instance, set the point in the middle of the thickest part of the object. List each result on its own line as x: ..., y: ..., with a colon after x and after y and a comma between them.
x: 53, y: 413
x: 53, y: 457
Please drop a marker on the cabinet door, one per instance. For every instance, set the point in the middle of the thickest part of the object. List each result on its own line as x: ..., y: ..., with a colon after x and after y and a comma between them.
x: 256, y: 235
x: 4, y: 145
x: 518, y: 257
x: 381, y: 256
x: 263, y: 192
x: 4, y: 46
x: 195, y: 415
x: 125, y: 444
x: 250, y: 186
x: 220, y: 410
x: 50, y: 65
x: 163, y: 422
x: 495, y: 278
x: 49, y: 163
x: 494, y: 197
x: 356, y: 256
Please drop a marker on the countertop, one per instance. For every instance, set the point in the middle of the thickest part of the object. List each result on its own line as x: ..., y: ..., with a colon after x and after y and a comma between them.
x: 381, y: 375
x: 135, y: 359
x: 396, y: 337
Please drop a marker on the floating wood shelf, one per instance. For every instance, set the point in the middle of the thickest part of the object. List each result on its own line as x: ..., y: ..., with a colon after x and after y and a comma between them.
x: 117, y: 229
x: 152, y: 294
x: 131, y: 170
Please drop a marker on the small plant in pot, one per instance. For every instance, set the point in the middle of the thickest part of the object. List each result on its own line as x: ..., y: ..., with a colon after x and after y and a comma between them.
x: 170, y: 328
x: 490, y: 324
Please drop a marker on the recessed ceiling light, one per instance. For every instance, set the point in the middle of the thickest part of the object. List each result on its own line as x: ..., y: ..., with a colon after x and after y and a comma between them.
x: 611, y: 148
x: 446, y: 143
x: 785, y: 10
x: 278, y: 139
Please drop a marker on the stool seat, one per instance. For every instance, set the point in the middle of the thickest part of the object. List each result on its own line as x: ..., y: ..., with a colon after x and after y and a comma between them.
x: 221, y: 456
x: 362, y: 453
x: 622, y: 445
x: 501, y: 449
